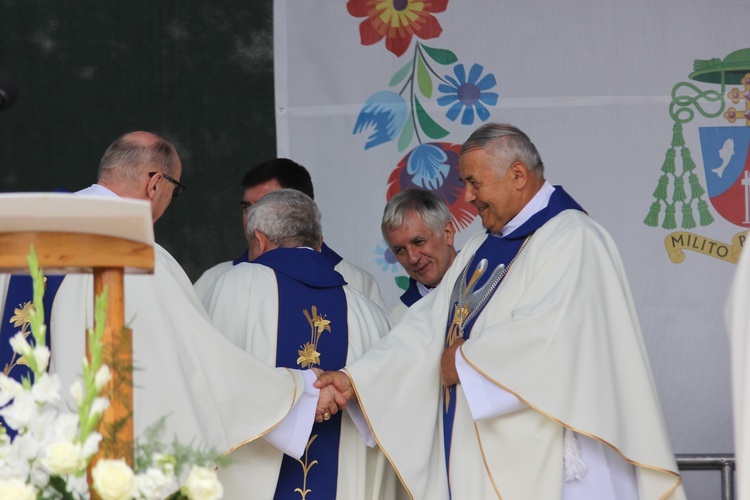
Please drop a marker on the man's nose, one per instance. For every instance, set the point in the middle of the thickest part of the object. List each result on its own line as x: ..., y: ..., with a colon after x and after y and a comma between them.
x: 469, y: 194
x: 414, y: 255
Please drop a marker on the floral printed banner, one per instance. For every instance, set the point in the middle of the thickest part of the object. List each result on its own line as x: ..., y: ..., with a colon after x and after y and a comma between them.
x: 376, y: 96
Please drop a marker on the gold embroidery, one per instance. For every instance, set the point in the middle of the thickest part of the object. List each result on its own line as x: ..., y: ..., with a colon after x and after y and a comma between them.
x: 308, y: 353
x: 456, y: 330
x: 466, y: 309
x: 21, y: 317
x: 306, y: 468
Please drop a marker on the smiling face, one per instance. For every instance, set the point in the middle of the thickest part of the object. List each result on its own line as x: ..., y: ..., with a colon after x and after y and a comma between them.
x: 498, y: 196
x: 425, y: 255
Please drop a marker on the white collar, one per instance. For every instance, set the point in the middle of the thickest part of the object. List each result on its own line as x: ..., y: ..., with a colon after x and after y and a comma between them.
x: 537, y: 203
x: 97, y: 190
x: 423, y: 290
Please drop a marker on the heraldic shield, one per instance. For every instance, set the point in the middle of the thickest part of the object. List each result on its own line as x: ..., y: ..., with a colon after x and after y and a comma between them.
x: 727, y: 167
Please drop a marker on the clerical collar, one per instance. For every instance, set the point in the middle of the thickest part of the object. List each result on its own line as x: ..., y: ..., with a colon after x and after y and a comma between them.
x: 423, y: 290
x: 97, y: 190
x: 538, y: 202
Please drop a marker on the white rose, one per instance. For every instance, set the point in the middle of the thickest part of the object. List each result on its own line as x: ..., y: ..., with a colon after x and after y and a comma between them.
x: 63, y: 457
x: 114, y: 480
x: 15, y: 489
x: 155, y: 484
x: 202, y: 484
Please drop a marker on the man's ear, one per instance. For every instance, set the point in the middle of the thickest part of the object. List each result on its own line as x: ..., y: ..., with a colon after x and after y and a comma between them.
x: 264, y: 244
x: 450, y: 232
x: 320, y: 244
x: 151, y: 187
x: 519, y: 173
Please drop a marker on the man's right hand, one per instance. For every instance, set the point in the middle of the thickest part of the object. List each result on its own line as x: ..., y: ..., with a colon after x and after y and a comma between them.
x: 339, y: 381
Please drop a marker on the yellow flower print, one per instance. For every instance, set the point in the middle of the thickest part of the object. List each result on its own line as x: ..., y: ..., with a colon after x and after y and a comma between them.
x: 22, y: 316
x: 308, y: 356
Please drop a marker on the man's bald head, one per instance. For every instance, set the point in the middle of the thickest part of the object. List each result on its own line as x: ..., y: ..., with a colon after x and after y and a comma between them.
x: 134, y: 165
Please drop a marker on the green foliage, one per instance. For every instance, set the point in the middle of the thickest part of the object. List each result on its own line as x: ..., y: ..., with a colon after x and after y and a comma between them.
x: 430, y: 126
x: 151, y: 443
x: 402, y: 282
x: 423, y: 78
x: 400, y: 75
x: 407, y: 133
x: 440, y: 56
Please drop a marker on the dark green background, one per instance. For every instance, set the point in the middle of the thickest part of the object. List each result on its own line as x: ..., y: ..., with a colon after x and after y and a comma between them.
x: 199, y: 72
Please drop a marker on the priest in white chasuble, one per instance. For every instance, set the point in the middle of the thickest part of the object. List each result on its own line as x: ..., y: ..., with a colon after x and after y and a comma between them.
x: 290, y: 308
x: 185, y: 370
x: 524, y: 374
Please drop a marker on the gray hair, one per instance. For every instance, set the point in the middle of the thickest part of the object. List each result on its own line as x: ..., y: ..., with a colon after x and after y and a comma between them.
x: 128, y: 157
x: 425, y: 204
x: 288, y: 218
x: 508, y: 144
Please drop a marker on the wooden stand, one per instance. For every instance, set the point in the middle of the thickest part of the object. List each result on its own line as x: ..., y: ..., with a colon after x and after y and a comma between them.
x: 108, y: 257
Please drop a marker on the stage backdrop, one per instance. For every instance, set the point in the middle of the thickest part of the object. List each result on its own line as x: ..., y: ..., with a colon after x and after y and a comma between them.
x: 639, y: 110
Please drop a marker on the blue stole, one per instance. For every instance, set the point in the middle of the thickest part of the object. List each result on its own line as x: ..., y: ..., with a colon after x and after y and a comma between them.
x: 329, y: 254
x: 17, y: 301
x: 312, y: 332
x: 325, y: 251
x: 411, y: 295
x: 245, y: 257
x: 497, y: 250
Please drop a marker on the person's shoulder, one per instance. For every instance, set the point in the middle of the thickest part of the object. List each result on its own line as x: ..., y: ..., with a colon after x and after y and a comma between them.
x: 575, y: 230
x: 361, y: 280
x: 347, y: 269
x: 247, y: 269
x: 397, y: 311
x: 218, y: 268
x: 357, y: 298
x: 576, y: 222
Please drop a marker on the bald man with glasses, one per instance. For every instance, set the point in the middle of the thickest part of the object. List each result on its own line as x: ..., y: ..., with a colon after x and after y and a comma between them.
x: 184, y: 367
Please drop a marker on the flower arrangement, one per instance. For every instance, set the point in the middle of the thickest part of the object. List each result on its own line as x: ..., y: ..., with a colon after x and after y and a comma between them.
x: 49, y: 456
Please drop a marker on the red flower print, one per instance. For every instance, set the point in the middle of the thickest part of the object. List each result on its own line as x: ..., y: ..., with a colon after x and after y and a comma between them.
x: 397, y: 21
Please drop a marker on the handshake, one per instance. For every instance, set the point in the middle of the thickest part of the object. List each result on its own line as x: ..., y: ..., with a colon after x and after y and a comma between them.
x: 335, y: 391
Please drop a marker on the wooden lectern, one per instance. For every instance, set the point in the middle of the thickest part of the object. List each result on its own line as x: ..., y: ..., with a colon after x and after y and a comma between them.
x: 80, y: 234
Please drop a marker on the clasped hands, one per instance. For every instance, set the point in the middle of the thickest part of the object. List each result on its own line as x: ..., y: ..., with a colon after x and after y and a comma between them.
x: 336, y: 388
x: 335, y: 391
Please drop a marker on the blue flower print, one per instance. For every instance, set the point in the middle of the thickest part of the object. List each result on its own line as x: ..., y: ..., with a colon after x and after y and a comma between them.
x: 428, y: 166
x: 468, y: 95
x: 385, y: 258
x: 386, y: 111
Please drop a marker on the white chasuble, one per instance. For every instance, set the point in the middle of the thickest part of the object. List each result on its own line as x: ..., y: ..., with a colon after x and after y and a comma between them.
x: 248, y: 307
x: 561, y: 333
x: 212, y: 394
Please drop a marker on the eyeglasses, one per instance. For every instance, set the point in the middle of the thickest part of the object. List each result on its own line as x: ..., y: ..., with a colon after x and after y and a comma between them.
x: 178, y: 186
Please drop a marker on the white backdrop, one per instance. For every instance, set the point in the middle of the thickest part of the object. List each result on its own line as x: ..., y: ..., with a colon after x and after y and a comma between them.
x: 591, y: 82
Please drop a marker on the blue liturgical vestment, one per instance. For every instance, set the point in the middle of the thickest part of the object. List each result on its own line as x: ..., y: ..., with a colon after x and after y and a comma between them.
x: 312, y: 332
